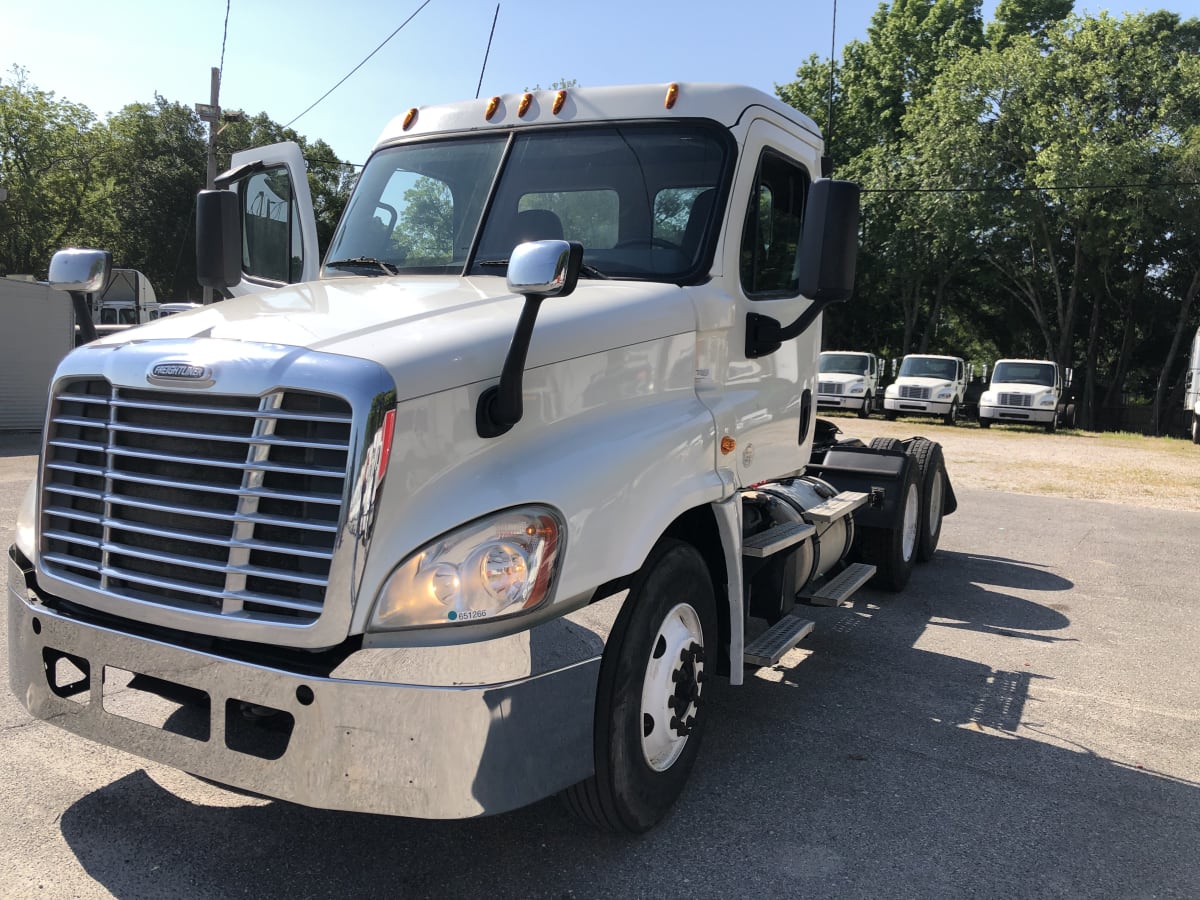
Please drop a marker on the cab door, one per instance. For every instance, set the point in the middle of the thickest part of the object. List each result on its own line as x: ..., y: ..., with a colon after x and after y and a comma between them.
x: 764, y: 405
x: 279, y: 228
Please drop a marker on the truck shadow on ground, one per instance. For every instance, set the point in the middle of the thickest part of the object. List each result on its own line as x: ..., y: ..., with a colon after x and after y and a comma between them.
x: 861, y: 766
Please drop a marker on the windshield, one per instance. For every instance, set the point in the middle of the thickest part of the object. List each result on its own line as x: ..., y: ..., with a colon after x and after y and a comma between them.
x: 1024, y: 373
x: 929, y: 367
x: 640, y: 198
x: 843, y: 363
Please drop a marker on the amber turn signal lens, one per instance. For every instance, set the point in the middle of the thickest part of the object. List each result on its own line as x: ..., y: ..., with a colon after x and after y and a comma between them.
x: 728, y: 445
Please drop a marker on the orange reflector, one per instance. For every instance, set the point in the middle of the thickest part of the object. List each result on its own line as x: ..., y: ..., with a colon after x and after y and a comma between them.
x: 672, y: 96
x: 523, y: 106
x: 559, y: 99
x: 728, y: 445
x: 409, y: 118
x: 493, y: 105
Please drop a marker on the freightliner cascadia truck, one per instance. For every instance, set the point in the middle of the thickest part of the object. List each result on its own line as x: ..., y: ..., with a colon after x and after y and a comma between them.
x: 471, y: 511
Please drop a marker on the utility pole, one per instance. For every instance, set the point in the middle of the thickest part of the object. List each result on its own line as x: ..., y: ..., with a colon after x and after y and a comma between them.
x: 211, y: 113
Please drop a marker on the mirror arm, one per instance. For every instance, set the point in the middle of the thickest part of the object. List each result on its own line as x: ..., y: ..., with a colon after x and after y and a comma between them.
x: 764, y: 335
x: 500, y: 406
x: 83, y: 317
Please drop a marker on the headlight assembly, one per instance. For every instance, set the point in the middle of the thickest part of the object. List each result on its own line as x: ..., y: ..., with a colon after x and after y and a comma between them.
x: 500, y: 566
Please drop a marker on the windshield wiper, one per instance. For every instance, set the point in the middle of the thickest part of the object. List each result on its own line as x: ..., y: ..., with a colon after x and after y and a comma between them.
x: 363, y: 262
x: 585, y: 270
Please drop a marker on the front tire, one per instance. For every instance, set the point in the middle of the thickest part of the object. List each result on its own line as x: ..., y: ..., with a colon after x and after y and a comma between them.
x: 864, y: 411
x: 985, y: 423
x: 650, y: 710
x: 890, y: 415
x: 952, y: 416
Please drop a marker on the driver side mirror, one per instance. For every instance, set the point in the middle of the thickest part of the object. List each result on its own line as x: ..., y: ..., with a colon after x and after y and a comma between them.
x: 825, y: 262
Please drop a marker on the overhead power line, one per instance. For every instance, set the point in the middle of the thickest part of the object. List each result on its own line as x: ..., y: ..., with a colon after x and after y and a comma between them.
x: 988, y: 189
x: 361, y: 64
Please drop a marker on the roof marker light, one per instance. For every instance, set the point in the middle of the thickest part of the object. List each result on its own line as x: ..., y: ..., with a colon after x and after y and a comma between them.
x: 409, y: 118
x: 672, y: 96
x: 560, y: 97
x: 523, y: 107
x: 492, y: 106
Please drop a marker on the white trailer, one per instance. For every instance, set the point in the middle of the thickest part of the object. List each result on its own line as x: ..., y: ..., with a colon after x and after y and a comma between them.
x: 38, y: 332
x: 459, y: 540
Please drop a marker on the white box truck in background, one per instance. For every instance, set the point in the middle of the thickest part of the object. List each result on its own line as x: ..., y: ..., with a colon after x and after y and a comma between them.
x: 849, y: 379
x: 927, y: 385
x: 1022, y: 392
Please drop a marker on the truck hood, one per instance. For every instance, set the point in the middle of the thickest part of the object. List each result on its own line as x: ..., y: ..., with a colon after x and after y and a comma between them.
x: 840, y: 377
x: 432, y: 332
x: 922, y: 381
x: 1018, y: 387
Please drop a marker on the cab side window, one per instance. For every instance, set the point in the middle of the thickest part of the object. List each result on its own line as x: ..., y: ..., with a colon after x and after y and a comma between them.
x: 271, y: 245
x: 771, y: 234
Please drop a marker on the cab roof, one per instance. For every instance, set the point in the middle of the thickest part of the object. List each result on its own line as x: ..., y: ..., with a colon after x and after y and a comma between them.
x: 722, y: 103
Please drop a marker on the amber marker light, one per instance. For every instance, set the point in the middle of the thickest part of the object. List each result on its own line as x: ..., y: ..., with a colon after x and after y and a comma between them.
x: 728, y: 445
x: 409, y: 118
x: 493, y: 105
x: 523, y: 106
x: 672, y: 96
x: 559, y: 99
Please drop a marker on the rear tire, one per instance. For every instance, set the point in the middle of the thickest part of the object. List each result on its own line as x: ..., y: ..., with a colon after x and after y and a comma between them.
x: 932, y: 465
x: 893, y: 551
x: 650, y: 710
x: 886, y: 443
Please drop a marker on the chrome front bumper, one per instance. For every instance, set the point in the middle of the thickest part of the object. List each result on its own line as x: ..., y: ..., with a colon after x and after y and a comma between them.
x: 1016, y: 414
x: 369, y: 744
x: 904, y: 406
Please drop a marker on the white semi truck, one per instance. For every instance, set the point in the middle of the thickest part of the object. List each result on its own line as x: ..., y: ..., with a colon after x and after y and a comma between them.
x: 471, y: 513
x: 849, y: 379
x: 1022, y: 392
x: 927, y: 386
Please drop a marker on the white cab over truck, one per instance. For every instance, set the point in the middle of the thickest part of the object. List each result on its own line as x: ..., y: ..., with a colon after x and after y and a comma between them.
x: 1022, y: 392
x: 471, y: 513
x: 927, y: 386
x: 848, y: 380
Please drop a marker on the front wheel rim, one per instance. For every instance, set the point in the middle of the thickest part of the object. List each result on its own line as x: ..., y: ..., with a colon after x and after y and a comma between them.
x: 672, y: 687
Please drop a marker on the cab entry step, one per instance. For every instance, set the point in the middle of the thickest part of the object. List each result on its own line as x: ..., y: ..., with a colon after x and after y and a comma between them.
x: 841, y: 587
x: 778, y: 537
x: 836, y: 507
x: 768, y: 648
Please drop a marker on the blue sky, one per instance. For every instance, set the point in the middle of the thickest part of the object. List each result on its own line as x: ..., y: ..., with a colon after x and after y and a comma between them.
x: 281, y: 56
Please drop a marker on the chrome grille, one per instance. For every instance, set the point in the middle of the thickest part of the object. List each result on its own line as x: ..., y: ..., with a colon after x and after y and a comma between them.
x: 199, y: 502
x: 1016, y: 400
x: 830, y: 387
x: 913, y: 392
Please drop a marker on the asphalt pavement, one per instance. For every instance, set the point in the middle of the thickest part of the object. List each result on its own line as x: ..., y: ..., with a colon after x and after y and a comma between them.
x: 1022, y: 721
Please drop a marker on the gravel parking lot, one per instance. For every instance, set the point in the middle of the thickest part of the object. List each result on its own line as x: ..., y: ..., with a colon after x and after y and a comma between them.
x: 1163, y: 473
